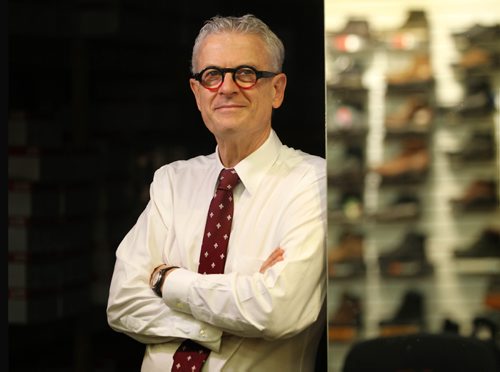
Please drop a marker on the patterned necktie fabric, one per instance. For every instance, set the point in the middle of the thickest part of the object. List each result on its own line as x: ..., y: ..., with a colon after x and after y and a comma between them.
x: 190, y: 356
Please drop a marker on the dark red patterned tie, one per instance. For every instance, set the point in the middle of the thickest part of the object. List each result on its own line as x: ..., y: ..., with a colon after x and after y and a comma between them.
x: 191, y: 356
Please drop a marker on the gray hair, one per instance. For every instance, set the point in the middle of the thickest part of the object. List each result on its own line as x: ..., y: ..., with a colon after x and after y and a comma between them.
x: 247, y: 24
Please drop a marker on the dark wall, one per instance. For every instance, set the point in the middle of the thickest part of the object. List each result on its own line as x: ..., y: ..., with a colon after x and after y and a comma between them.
x: 106, y: 82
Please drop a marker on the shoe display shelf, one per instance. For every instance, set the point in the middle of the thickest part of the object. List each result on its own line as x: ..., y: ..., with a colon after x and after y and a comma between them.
x: 347, y: 119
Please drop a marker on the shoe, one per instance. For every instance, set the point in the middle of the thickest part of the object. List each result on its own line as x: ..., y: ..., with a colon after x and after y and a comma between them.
x: 478, y: 100
x: 479, y: 146
x: 419, y: 72
x: 349, y: 207
x: 477, y: 34
x: 480, y: 195
x: 346, y: 321
x: 355, y: 36
x: 411, y: 165
x: 350, y: 169
x: 487, y: 245
x: 347, y: 259
x: 475, y: 58
x: 347, y: 118
x: 346, y: 73
x: 450, y: 326
x: 409, y: 317
x: 412, y: 34
x: 492, y: 296
x: 414, y: 115
x: 407, y: 259
x: 403, y: 207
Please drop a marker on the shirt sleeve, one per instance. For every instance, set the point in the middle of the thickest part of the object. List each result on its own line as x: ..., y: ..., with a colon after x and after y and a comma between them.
x: 279, y: 303
x: 132, y: 307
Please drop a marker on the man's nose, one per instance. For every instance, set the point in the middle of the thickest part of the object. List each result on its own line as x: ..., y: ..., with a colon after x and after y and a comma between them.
x: 228, y: 84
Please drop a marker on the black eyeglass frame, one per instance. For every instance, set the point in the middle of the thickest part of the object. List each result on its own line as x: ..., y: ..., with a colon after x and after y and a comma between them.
x: 224, y: 71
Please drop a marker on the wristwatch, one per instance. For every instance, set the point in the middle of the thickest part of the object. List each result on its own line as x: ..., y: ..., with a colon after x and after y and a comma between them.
x: 159, y: 278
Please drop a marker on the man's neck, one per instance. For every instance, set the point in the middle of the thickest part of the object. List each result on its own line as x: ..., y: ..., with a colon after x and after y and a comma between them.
x: 232, y: 150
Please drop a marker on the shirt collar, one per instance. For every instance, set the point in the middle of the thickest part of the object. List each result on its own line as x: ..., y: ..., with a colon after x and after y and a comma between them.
x: 252, y: 169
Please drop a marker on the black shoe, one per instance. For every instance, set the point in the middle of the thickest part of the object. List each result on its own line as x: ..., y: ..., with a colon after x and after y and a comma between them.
x: 407, y: 259
x: 477, y: 147
x: 450, y: 326
x: 479, y: 99
x: 486, y: 246
x: 409, y: 317
x: 403, y: 207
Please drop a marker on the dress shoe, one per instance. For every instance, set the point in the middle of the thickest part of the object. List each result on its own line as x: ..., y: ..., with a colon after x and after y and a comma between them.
x: 412, y: 34
x: 417, y: 73
x: 479, y: 146
x: 346, y: 118
x: 346, y: 73
x: 349, y: 207
x: 480, y: 195
x: 354, y: 37
x: 404, y: 207
x: 477, y: 34
x: 492, y: 295
x: 475, y: 58
x: 487, y: 245
x: 411, y: 165
x: 409, y: 317
x: 414, y: 115
x: 346, y: 322
x: 350, y: 169
x: 407, y: 259
x: 346, y: 259
x: 450, y: 326
x: 478, y: 99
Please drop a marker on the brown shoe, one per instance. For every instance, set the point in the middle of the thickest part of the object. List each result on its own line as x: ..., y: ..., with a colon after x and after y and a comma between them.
x: 414, y: 114
x: 492, y: 296
x: 419, y: 71
x: 479, y: 195
x: 345, y: 323
x: 412, y: 163
x: 475, y: 58
x: 346, y: 259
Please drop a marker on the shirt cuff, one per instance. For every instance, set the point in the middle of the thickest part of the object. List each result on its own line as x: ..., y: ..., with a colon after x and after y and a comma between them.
x: 175, y: 294
x: 176, y: 289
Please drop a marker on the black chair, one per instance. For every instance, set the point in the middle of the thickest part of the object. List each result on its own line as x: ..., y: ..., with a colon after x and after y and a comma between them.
x: 421, y: 352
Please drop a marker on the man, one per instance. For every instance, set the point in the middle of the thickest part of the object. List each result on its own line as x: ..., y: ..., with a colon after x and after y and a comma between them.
x: 263, y: 310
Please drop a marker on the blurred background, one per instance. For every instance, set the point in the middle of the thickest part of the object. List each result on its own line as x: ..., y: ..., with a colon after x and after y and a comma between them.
x: 98, y: 98
x: 413, y: 151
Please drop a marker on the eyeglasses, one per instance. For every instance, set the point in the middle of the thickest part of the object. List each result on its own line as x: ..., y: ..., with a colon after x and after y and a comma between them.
x: 245, y: 77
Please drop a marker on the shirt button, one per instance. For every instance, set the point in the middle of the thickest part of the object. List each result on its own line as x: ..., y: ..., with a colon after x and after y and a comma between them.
x: 202, y: 332
x: 179, y: 305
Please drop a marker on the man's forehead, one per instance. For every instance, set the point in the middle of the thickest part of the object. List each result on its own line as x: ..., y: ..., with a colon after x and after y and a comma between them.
x: 239, y: 47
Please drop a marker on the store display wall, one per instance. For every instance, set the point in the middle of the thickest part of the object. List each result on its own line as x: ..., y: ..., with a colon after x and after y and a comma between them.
x: 413, y: 163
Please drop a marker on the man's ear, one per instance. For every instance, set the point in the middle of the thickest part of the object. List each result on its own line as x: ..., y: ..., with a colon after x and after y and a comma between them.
x: 279, y: 85
x: 195, y: 88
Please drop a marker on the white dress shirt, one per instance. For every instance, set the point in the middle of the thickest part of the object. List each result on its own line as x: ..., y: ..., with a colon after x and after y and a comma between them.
x: 251, y: 321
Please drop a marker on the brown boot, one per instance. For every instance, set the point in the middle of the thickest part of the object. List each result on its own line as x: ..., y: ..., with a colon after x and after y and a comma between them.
x: 413, y: 161
x: 420, y: 71
x: 346, y: 259
x: 346, y: 322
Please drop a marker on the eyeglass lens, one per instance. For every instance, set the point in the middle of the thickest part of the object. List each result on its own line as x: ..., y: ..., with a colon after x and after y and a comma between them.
x: 244, y: 77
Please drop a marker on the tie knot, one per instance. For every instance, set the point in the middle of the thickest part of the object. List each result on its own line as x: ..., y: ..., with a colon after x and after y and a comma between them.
x: 228, y: 179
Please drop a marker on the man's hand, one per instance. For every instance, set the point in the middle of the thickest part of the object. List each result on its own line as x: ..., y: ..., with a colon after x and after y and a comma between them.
x: 275, y: 257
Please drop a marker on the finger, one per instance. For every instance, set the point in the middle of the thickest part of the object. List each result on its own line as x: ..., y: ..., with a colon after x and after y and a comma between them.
x: 275, y: 257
